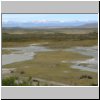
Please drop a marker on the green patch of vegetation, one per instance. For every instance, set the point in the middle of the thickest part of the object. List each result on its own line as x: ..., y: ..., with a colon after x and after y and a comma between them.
x: 54, y: 44
x: 40, y: 36
x: 15, y: 81
x: 9, y: 81
x: 70, y: 43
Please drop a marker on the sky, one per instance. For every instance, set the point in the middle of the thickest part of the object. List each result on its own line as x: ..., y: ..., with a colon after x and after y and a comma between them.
x: 49, y: 17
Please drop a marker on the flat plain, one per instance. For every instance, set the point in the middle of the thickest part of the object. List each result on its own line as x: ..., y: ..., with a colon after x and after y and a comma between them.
x: 50, y: 57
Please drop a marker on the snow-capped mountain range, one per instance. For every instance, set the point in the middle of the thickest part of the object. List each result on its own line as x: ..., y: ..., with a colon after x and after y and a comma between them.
x: 50, y: 24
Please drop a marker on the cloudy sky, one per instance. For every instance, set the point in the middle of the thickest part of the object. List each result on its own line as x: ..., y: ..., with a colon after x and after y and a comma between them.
x: 48, y: 17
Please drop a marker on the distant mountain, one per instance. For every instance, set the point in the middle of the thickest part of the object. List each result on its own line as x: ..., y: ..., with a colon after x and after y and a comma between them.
x: 49, y: 24
x: 89, y: 25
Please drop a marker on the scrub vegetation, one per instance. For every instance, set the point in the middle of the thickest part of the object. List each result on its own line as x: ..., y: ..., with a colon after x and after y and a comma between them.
x: 47, y: 68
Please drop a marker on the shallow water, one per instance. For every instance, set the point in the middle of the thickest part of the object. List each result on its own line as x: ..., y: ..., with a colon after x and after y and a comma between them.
x: 27, y: 53
x: 22, y: 54
x: 11, y: 58
x: 89, y: 51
